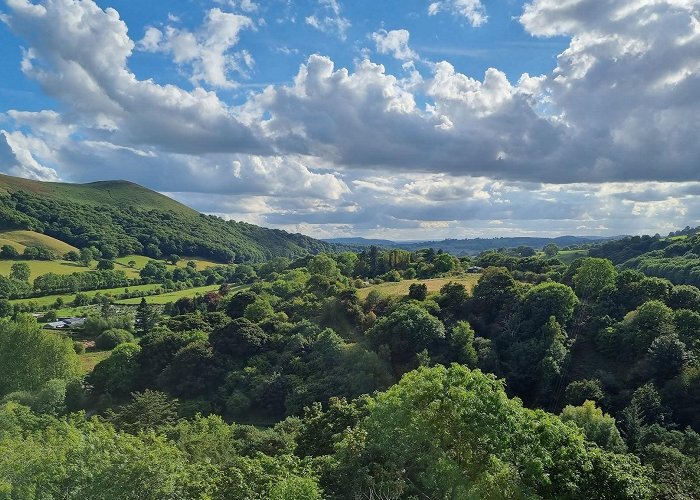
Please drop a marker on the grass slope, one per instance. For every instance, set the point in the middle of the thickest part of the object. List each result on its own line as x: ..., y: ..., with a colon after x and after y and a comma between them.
x: 22, y: 239
x: 434, y: 285
x: 48, y: 300
x: 118, y: 193
x: 39, y: 267
x: 173, y: 296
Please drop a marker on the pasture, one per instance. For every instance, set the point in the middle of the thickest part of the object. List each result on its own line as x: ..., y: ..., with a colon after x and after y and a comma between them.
x: 434, y: 285
x: 22, y: 239
x: 164, y: 298
x: 67, y: 298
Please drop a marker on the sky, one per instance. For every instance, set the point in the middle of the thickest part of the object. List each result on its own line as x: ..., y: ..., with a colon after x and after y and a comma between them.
x: 394, y: 119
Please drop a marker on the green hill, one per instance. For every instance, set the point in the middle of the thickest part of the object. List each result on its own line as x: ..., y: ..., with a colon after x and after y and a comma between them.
x: 22, y: 239
x: 131, y: 219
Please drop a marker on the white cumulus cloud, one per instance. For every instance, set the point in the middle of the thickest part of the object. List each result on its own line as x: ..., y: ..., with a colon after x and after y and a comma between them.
x: 473, y: 10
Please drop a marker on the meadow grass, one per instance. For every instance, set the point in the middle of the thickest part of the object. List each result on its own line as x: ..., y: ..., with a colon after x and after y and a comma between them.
x: 164, y: 298
x: 68, y: 297
x: 434, y: 285
x: 568, y: 256
x: 31, y: 238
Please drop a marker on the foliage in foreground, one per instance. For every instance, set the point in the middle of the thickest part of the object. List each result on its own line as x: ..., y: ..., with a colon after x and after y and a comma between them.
x: 472, y: 442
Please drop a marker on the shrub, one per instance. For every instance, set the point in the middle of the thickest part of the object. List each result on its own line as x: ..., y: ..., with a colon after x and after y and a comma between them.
x: 109, y: 339
x: 79, y: 347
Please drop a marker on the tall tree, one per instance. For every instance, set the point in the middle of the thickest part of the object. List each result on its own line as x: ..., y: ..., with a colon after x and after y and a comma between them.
x: 146, y: 317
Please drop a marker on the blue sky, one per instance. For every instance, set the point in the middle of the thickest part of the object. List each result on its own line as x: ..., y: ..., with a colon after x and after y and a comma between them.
x: 395, y: 119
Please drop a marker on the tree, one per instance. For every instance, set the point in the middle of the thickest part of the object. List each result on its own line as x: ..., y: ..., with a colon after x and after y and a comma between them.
x: 8, y: 252
x: 549, y: 299
x: 461, y: 344
x: 20, y: 271
x: 684, y: 297
x: 407, y: 331
x: 109, y: 252
x: 109, y: 339
x: 648, y: 322
x: 147, y: 317
x: 173, y: 259
x: 597, y: 426
x: 105, y: 265
x: 192, y: 372
x: 443, y: 263
x: 323, y: 265
x: 495, y: 292
x: 667, y: 356
x: 526, y: 251
x: 238, y: 303
x: 72, y: 256
x: 117, y: 374
x: 593, y: 276
x: 30, y: 253
x: 240, y: 339
x: 259, y: 310
x: 147, y: 411
x: 85, y: 257
x: 578, y: 391
x: 418, y: 291
x: 30, y: 356
x: 550, y: 249
x: 6, y: 308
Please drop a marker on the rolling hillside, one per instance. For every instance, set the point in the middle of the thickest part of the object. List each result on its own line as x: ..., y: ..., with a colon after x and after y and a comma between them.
x: 131, y: 219
x: 22, y: 239
x: 470, y: 246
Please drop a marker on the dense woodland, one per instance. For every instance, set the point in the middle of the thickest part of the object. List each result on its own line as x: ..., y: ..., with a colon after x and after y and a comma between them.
x: 676, y: 257
x: 155, y: 232
x: 546, y: 380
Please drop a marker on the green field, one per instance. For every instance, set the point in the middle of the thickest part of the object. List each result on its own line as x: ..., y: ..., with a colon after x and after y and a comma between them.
x: 89, y: 360
x: 568, y: 256
x: 172, y: 296
x: 68, y: 297
x: 18, y: 246
x: 434, y: 285
x: 141, y: 260
x: 22, y: 239
x: 39, y: 267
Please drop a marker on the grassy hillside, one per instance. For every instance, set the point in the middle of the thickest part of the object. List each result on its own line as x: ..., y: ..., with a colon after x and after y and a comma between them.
x: 39, y: 267
x: 116, y: 193
x: 164, y: 298
x: 22, y: 239
x: 434, y: 285
x: 131, y: 219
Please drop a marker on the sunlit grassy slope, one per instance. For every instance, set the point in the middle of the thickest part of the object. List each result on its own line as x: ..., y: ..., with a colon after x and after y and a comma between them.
x: 434, y: 285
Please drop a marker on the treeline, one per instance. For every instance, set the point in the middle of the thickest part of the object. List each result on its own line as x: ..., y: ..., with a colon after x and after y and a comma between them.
x: 151, y: 232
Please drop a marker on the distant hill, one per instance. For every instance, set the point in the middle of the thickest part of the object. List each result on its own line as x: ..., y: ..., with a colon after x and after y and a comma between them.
x: 135, y: 220
x: 361, y: 242
x: 473, y: 245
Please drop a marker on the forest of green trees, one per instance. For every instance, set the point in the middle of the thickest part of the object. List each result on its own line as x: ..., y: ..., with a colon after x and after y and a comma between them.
x: 150, y: 231
x: 546, y: 380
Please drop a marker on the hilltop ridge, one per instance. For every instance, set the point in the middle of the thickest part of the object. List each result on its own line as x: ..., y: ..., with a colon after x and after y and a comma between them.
x: 137, y: 220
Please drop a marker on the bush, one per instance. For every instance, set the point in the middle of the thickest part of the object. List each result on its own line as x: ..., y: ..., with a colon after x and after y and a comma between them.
x: 109, y: 339
x: 79, y: 347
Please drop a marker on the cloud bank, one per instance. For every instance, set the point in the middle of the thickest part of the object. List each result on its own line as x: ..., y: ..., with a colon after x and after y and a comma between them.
x: 605, y: 142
